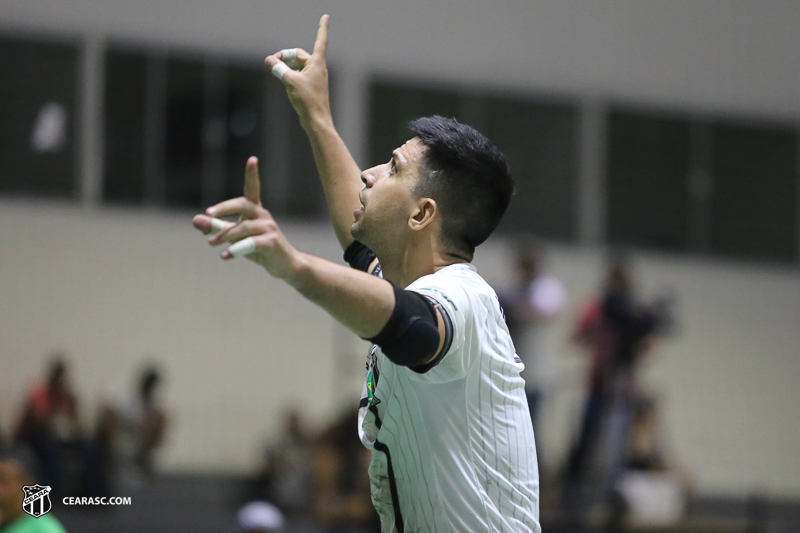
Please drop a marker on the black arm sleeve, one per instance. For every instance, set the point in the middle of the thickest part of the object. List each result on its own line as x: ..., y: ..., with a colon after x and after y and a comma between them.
x: 412, y: 334
x: 359, y: 256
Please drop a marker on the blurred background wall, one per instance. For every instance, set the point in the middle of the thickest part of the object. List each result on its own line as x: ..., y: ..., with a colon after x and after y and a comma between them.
x: 666, y: 128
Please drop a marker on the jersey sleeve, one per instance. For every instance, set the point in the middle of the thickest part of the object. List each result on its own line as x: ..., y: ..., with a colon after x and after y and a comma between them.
x: 452, y: 301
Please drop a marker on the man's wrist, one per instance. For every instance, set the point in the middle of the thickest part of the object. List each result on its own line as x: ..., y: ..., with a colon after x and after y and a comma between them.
x: 299, y: 270
x: 318, y: 124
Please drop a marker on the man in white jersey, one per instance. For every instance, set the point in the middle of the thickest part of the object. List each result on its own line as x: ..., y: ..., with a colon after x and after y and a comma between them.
x: 444, y: 409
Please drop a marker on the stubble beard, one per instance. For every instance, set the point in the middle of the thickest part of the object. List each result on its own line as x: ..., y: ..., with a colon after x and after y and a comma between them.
x: 367, y: 234
x: 359, y: 233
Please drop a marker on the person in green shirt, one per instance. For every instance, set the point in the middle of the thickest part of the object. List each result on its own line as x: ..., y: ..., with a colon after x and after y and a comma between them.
x: 14, y: 474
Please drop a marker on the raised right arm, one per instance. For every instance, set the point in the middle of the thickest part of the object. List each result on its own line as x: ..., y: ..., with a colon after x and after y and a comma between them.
x: 308, y: 93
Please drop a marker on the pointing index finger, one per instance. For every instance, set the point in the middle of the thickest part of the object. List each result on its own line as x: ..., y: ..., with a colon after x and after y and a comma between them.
x: 252, y: 184
x: 321, y: 44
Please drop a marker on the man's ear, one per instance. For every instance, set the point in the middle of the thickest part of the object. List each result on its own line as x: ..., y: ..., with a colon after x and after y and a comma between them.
x: 423, y: 214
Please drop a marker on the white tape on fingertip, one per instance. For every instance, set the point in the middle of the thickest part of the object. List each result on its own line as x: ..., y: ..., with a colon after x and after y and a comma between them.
x: 243, y: 247
x: 217, y: 225
x: 289, y: 56
x: 280, y: 69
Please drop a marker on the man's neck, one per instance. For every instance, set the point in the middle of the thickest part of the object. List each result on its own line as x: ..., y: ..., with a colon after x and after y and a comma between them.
x: 405, y: 265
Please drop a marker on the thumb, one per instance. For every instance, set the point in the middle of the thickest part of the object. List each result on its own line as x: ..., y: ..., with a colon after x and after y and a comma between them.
x: 280, y: 70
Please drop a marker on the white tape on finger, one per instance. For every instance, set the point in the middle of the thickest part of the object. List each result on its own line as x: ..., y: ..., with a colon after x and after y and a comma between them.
x: 280, y: 69
x: 243, y: 247
x: 217, y: 225
x: 289, y: 56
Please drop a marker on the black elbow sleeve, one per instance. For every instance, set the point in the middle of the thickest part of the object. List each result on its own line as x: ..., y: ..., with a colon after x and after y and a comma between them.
x: 412, y: 334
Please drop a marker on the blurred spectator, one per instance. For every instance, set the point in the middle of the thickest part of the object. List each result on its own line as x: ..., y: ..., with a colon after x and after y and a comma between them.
x: 131, y: 428
x: 49, y: 427
x: 16, y: 471
x: 644, y: 448
x: 286, y: 477
x: 260, y: 517
x: 617, y: 330
x: 321, y: 483
x: 535, y: 299
x: 342, y: 502
x: 650, y: 492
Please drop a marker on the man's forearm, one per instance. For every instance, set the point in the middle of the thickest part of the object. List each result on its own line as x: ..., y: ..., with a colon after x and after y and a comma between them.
x: 339, y: 173
x: 361, y: 302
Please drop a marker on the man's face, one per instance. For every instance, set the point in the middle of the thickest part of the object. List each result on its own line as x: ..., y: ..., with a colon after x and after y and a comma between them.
x: 388, y: 197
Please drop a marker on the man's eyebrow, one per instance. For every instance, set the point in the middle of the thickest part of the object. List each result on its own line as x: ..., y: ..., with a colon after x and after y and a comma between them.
x: 396, y: 157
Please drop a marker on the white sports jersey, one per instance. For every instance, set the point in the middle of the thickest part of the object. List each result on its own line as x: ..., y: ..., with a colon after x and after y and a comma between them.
x: 452, y: 448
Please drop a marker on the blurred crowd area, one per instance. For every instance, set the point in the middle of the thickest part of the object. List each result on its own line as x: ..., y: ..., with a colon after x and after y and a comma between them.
x: 83, y: 457
x: 617, y: 474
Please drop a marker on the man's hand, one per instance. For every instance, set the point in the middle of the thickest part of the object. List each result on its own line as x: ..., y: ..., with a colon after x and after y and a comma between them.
x: 272, y: 250
x: 308, y: 87
x: 308, y: 93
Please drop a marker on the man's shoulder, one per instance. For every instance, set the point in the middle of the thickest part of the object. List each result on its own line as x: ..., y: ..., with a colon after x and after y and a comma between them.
x: 459, y: 284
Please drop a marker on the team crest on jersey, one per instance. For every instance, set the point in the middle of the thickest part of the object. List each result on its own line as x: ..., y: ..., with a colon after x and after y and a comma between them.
x: 37, y: 500
x: 372, y: 376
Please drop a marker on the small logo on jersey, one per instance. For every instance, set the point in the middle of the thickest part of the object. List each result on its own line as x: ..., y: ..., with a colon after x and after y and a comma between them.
x: 372, y: 376
x: 517, y: 359
x: 370, y: 385
x: 37, y: 500
x: 372, y: 382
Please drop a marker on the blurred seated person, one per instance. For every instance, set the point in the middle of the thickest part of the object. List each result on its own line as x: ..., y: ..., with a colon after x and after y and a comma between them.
x: 285, y: 479
x: 650, y: 492
x: 342, y: 501
x: 49, y: 426
x: 131, y: 428
x: 16, y: 471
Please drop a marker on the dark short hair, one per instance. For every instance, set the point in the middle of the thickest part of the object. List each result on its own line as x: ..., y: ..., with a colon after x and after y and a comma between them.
x: 467, y: 176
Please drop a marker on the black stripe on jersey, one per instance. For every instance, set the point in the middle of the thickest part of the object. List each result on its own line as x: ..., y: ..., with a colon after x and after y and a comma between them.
x: 448, y: 338
x: 374, y: 410
x: 376, y: 374
x: 381, y: 447
x: 398, y: 517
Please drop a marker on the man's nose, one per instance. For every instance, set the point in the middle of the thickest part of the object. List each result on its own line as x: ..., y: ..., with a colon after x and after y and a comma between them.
x: 368, y: 178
